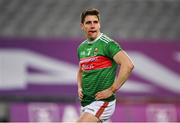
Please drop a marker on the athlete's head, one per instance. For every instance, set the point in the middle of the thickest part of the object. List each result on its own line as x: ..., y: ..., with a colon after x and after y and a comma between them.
x: 90, y: 23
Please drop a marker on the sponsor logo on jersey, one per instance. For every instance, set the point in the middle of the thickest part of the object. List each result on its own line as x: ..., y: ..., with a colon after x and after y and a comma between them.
x: 95, y: 62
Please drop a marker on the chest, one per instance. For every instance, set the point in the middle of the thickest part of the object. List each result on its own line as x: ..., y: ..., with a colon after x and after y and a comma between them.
x: 92, y: 50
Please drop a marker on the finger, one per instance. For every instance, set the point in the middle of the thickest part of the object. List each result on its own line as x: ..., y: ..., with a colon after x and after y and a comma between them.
x: 98, y: 93
x: 81, y: 95
x: 98, y: 97
x: 80, y: 98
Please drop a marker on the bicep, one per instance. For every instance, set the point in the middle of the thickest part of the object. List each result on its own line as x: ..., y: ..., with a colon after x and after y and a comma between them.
x: 122, y: 57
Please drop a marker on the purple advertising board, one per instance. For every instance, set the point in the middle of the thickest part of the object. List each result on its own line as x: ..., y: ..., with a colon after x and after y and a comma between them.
x: 48, y: 67
x: 56, y: 112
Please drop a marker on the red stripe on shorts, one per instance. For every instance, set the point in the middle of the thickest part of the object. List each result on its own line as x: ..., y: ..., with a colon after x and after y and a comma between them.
x: 101, y: 110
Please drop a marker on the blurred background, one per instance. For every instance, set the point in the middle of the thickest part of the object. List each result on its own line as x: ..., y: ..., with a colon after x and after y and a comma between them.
x: 38, y: 59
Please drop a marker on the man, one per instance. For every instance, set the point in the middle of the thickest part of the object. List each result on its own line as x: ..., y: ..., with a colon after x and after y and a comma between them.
x: 99, y: 57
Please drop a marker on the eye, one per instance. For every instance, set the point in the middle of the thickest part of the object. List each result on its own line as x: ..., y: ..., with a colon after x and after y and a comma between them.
x: 95, y: 22
x: 87, y: 22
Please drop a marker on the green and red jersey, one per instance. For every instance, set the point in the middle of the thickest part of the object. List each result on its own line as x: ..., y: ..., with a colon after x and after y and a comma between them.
x: 98, y: 66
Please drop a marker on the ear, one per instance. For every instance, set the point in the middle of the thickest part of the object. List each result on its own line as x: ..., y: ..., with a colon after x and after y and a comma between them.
x: 81, y: 25
x: 99, y: 25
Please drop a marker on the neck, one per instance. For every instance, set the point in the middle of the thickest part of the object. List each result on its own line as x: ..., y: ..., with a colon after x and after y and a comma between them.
x: 92, y: 39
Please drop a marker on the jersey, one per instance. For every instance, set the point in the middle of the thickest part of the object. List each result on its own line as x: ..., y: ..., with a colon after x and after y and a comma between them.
x: 98, y: 67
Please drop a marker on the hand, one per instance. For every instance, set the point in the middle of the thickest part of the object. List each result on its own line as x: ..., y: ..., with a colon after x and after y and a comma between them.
x: 103, y: 94
x: 80, y: 94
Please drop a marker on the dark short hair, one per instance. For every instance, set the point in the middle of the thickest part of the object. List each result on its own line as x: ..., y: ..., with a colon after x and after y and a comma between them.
x: 90, y: 11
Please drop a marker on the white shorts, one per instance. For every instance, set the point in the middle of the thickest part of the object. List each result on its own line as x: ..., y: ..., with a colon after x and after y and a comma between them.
x: 102, y: 110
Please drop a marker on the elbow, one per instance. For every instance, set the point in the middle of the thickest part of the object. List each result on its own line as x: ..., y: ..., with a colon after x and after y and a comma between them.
x: 130, y: 66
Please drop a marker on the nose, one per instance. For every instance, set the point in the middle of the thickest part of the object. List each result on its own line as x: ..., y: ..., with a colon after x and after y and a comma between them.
x: 92, y: 25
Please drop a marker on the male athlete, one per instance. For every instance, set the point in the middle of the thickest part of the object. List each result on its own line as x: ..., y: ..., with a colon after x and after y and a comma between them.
x: 99, y: 57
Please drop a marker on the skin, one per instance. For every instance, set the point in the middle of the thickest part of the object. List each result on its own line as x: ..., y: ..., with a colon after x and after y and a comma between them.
x: 91, y: 27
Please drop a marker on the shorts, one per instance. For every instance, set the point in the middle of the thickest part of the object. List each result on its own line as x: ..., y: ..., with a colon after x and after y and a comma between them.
x: 102, y: 110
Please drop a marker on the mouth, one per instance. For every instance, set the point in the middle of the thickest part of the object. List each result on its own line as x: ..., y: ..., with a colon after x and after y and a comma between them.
x: 92, y: 31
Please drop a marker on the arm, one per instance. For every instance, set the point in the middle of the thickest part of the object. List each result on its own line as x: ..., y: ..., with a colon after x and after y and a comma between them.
x: 122, y: 59
x: 127, y: 66
x: 79, y: 83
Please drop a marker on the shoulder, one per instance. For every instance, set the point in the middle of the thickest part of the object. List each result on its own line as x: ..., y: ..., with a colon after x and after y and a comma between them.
x: 107, y: 40
x: 104, y: 38
x: 82, y: 44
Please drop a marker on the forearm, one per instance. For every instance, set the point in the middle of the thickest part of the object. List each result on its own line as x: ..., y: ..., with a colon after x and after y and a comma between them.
x: 79, y: 79
x: 126, y: 67
x: 122, y: 76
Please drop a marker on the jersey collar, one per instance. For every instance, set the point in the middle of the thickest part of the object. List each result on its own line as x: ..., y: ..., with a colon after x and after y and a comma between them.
x: 91, y: 42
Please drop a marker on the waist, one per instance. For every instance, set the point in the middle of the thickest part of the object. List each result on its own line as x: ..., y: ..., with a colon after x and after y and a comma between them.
x: 87, y: 99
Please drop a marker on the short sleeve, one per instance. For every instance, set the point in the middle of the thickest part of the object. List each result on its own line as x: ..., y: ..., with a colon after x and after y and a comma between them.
x: 113, y: 48
x: 78, y: 55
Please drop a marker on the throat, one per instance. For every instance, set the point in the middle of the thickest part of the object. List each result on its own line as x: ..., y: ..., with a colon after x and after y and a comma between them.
x: 91, y: 39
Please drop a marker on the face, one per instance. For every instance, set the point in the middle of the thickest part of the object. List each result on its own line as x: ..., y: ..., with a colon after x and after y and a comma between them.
x: 91, y: 27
